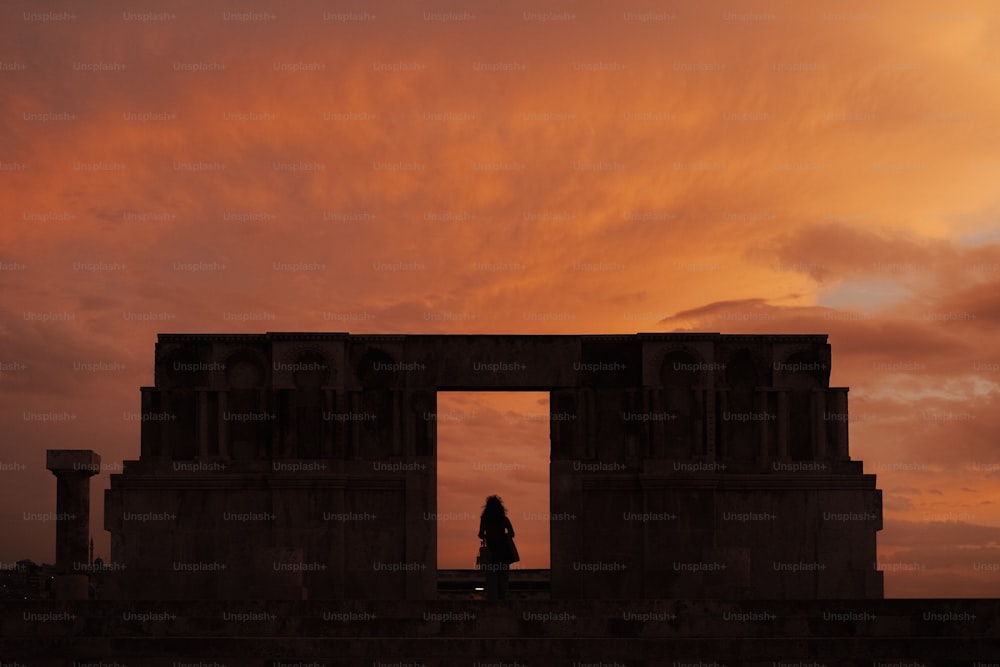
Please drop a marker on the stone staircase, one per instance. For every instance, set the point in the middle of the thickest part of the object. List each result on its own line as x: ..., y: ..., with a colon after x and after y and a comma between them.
x: 524, y: 584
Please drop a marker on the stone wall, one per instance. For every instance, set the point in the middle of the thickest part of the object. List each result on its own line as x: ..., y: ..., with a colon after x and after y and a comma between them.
x: 291, y: 465
x: 563, y: 633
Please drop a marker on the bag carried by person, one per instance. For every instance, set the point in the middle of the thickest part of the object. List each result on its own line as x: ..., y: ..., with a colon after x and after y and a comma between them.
x: 512, y: 551
x: 484, y: 558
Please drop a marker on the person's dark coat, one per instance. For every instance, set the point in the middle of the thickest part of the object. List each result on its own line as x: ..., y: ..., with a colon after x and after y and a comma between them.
x: 498, y: 534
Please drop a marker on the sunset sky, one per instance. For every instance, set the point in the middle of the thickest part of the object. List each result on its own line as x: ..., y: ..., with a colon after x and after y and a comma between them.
x: 516, y: 167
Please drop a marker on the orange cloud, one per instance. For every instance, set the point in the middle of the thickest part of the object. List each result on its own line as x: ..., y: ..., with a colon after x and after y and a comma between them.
x: 787, y: 168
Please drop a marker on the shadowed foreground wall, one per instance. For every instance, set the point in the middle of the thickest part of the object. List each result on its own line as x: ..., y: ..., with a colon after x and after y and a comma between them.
x: 545, y: 633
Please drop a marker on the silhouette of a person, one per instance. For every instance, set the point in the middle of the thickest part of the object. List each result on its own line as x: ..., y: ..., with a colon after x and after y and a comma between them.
x: 496, y: 529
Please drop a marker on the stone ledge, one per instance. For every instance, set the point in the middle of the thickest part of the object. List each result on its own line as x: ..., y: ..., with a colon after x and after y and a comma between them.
x: 96, y: 631
x: 75, y: 460
x: 663, y: 619
x: 287, y: 650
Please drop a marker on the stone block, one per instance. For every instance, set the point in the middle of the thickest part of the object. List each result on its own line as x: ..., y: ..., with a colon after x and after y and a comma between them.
x: 75, y: 460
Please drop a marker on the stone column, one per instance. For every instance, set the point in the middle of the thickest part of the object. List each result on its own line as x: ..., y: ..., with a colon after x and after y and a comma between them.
x: 711, y: 423
x: 722, y: 396
x: 838, y: 396
x: 223, y: 424
x: 149, y: 437
x: 330, y: 435
x: 818, y: 400
x: 761, y: 403
x: 202, y: 416
x: 73, y: 469
x: 783, y: 423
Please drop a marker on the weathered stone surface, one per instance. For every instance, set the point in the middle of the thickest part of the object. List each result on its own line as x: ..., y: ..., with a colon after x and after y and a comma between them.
x: 72, y: 460
x: 453, y: 633
x: 693, y: 465
x: 73, y: 469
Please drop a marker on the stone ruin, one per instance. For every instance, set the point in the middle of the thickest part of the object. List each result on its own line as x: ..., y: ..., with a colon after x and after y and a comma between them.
x: 697, y: 465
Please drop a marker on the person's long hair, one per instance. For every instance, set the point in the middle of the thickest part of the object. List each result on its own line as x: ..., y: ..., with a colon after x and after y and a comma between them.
x: 494, y: 510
